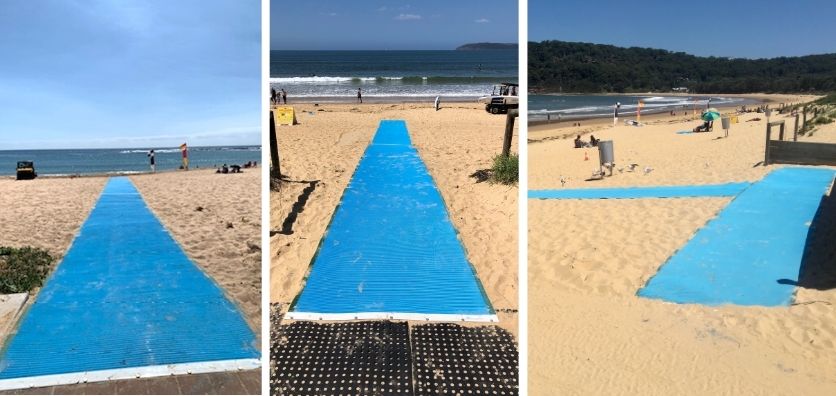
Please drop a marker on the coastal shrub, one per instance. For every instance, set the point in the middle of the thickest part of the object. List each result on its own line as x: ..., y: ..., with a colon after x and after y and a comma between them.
x: 505, y: 170
x: 23, y: 269
x: 830, y: 99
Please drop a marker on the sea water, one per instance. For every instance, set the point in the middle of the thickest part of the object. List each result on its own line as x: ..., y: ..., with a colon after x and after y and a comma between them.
x: 390, y: 76
x: 569, y: 107
x: 124, y: 160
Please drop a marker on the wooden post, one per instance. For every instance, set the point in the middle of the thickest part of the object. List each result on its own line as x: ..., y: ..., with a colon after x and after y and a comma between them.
x: 804, y: 112
x: 275, y: 169
x: 795, y: 129
x: 781, y: 133
x: 509, y: 131
x: 766, y: 148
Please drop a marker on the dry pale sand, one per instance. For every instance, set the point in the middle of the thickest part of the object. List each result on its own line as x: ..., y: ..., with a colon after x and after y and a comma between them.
x: 216, y: 219
x: 590, y: 334
x: 454, y: 143
x: 45, y: 213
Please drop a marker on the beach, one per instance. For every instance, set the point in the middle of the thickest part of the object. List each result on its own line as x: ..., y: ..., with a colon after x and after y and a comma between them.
x: 48, y: 213
x: 590, y: 334
x: 318, y: 158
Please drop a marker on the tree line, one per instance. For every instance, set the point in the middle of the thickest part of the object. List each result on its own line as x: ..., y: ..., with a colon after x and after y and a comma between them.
x: 559, y: 66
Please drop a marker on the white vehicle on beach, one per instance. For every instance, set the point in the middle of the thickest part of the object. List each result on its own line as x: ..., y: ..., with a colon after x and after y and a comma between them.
x: 504, y: 97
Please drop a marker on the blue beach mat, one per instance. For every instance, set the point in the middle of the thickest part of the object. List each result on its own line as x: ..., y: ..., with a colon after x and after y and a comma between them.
x: 685, y: 132
x: 391, y: 251
x: 741, y: 256
x: 711, y: 190
x: 125, y: 297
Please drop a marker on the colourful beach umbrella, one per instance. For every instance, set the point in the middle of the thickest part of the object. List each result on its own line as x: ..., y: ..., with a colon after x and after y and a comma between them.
x: 709, y: 115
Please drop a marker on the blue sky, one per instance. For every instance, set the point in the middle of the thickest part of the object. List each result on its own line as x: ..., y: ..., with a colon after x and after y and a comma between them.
x: 394, y: 25
x: 740, y: 29
x: 132, y: 73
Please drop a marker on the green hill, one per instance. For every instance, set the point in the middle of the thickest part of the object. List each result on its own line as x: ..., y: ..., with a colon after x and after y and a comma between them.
x: 559, y: 66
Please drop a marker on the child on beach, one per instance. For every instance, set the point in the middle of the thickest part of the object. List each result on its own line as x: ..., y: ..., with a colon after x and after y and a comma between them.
x: 359, y: 96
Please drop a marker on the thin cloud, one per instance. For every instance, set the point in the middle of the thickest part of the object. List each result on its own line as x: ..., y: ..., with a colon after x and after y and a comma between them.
x: 381, y: 9
x: 407, y: 17
x: 482, y: 20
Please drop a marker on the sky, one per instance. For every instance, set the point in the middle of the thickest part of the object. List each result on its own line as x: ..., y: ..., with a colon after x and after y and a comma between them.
x: 737, y: 29
x: 129, y: 73
x: 390, y: 25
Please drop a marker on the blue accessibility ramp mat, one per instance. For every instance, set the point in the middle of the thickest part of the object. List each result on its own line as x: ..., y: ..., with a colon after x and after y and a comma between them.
x: 125, y: 302
x: 391, y: 251
x: 746, y: 253
x: 710, y: 190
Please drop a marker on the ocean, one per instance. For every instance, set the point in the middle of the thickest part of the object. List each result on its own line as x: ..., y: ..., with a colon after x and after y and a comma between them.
x: 390, y: 76
x: 123, y: 161
x: 570, y: 107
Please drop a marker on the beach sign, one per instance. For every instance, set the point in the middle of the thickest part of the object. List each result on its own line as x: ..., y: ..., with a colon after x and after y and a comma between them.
x: 284, y: 115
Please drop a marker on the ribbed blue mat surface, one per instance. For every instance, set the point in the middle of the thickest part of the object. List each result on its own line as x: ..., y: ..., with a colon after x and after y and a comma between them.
x: 757, y: 240
x: 390, y: 246
x: 125, y: 295
x: 709, y: 190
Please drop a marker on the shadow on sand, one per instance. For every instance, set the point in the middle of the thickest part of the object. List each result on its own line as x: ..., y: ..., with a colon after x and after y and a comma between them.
x: 818, y: 264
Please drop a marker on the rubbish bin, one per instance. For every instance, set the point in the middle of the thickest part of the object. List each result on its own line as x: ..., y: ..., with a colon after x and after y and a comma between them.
x: 605, y: 152
x: 26, y: 170
x: 726, y: 122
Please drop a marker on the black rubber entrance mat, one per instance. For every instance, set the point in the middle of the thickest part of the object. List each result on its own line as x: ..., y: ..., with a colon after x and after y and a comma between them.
x: 449, y: 359
x: 355, y: 358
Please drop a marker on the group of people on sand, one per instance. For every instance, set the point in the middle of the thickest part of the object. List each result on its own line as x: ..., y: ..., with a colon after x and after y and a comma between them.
x: 236, y: 168
x: 593, y: 142
x: 278, y: 97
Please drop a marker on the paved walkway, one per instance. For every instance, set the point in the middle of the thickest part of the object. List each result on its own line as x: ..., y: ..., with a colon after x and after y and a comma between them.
x: 228, y: 383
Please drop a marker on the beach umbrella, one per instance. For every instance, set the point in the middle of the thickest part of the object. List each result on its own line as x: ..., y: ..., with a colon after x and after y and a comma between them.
x: 709, y: 115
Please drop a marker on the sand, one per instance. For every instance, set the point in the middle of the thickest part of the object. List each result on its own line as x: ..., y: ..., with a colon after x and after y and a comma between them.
x: 224, y: 237
x: 454, y: 143
x: 590, y: 334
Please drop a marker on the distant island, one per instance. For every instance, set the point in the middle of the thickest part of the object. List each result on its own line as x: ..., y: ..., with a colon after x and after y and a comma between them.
x: 487, y: 46
x: 560, y: 66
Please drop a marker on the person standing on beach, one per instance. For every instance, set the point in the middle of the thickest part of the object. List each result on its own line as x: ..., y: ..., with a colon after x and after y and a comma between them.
x: 153, y: 162
x: 359, y: 96
x: 284, y: 96
x: 272, y: 95
x: 437, y: 103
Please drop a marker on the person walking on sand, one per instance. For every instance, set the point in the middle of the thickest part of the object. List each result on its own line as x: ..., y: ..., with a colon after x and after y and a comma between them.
x: 153, y: 162
x: 359, y: 96
x: 284, y: 96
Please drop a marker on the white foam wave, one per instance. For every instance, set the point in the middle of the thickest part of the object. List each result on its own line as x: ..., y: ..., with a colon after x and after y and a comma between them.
x: 325, y: 79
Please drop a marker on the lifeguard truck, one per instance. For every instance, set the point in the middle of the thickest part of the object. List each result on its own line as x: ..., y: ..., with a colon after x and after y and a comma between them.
x: 504, y: 97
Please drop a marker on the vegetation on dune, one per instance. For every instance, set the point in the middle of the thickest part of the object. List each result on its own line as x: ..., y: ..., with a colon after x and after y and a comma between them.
x: 505, y: 169
x: 558, y: 66
x: 23, y: 269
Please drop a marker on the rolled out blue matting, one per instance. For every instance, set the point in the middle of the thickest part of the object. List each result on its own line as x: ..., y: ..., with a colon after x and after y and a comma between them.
x: 747, y: 253
x: 125, y: 296
x: 390, y: 250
